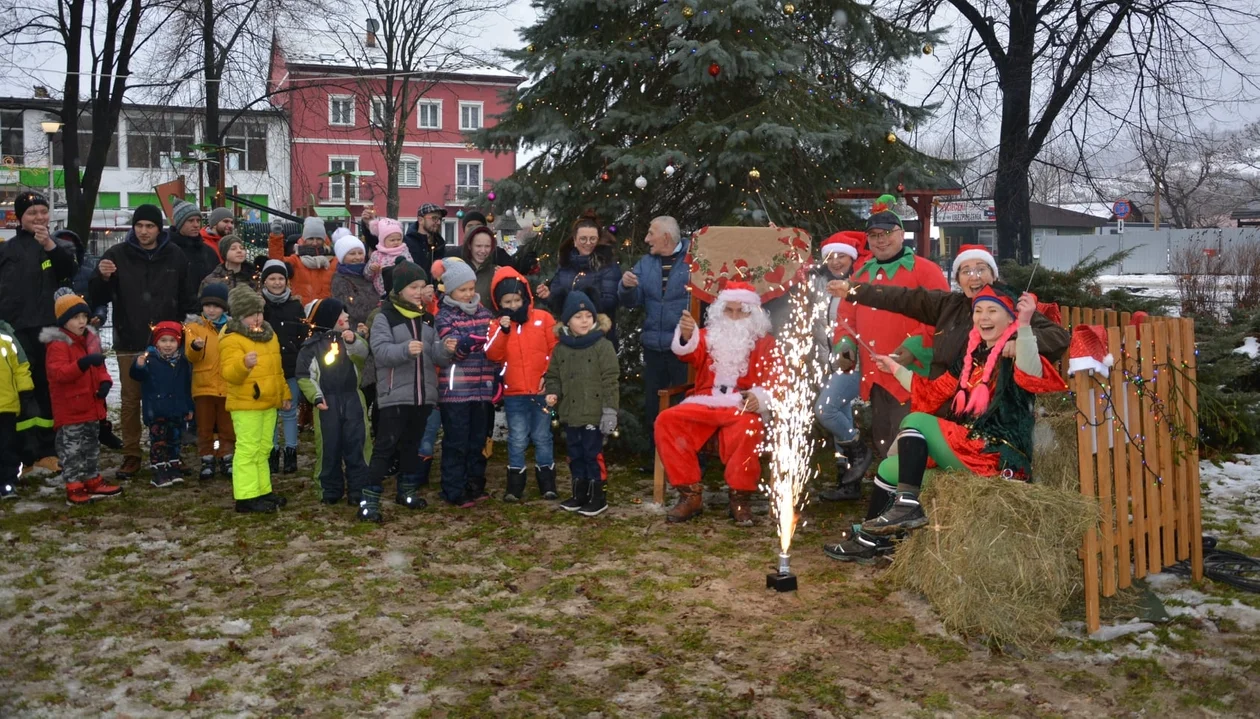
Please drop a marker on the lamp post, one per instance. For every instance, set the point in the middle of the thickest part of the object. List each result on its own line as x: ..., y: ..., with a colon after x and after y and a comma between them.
x: 51, y: 128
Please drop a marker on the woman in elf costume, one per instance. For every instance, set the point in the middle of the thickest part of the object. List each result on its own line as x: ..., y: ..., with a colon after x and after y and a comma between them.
x: 987, y: 429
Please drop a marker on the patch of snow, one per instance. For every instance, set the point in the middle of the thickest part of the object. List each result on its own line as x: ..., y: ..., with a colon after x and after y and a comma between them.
x: 1250, y: 347
x: 1231, y: 492
x: 1115, y: 631
x: 235, y: 627
x: 396, y: 560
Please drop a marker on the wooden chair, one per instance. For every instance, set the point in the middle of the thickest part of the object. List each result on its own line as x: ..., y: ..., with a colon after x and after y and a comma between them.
x: 666, y: 398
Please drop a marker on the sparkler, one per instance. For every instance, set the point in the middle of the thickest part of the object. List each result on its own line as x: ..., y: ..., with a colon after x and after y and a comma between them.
x: 788, y: 436
x: 333, y: 351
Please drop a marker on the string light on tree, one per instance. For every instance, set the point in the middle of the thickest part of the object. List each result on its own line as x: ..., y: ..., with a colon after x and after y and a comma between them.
x: 754, y: 174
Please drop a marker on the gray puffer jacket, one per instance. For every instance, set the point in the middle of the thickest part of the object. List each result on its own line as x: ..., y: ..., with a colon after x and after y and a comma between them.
x: 396, y: 369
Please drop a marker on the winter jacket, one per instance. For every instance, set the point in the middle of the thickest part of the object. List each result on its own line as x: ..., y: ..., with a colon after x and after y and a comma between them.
x: 424, y: 248
x: 308, y: 283
x: 393, y: 329
x: 206, y: 380
x: 73, y: 390
x: 950, y: 314
x: 525, y: 349
x: 288, y: 319
x: 358, y: 296
x: 378, y: 263
x: 15, y: 371
x: 260, y: 387
x: 201, y: 259
x: 210, y: 241
x: 165, y: 385
x: 600, y: 285
x: 224, y: 276
x: 324, y: 372
x: 825, y: 326
x: 29, y: 277
x: 485, y: 276
x: 472, y: 378
x: 149, y: 286
x: 584, y: 380
x: 661, y: 311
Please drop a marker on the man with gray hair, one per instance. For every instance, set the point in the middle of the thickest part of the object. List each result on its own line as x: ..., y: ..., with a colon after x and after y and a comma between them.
x: 658, y: 283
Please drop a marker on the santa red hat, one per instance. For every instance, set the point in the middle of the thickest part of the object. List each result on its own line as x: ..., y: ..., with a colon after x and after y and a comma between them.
x: 739, y: 292
x: 966, y: 253
x: 841, y: 243
x: 1088, y: 350
x: 1051, y: 311
x: 167, y: 328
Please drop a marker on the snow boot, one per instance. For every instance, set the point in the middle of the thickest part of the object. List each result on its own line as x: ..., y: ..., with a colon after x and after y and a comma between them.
x: 255, y: 505
x: 275, y: 499
x: 741, y: 508
x: 408, y: 494
x: 225, y: 466
x: 476, y: 489
x: 905, y: 513
x: 547, y: 481
x: 370, y: 506
x: 77, y: 494
x: 207, y: 468
x: 690, y: 503
x: 290, y: 460
x: 97, y: 488
x: 162, y: 477
x: 107, y: 438
x: 516, y: 481
x: 273, y: 462
x: 598, y: 500
x: 857, y: 458
x: 177, y: 468
x: 581, y: 493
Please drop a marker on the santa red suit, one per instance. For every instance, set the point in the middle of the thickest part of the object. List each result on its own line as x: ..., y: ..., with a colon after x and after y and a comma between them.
x: 717, y: 404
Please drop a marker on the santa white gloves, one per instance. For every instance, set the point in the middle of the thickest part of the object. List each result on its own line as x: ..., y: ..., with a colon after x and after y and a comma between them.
x: 608, y: 421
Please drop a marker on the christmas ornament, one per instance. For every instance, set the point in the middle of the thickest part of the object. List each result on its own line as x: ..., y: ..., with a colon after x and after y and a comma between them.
x: 670, y: 170
x: 890, y: 138
x: 789, y: 9
x: 901, y: 187
x: 640, y: 182
x: 490, y: 196
x: 604, y: 177
x: 687, y: 11
x: 460, y: 214
x: 908, y: 126
x: 530, y: 47
x: 715, y: 69
x: 520, y: 106
x: 927, y: 49
x: 612, y: 229
x: 538, y: 225
x: 754, y: 174
x: 489, y: 217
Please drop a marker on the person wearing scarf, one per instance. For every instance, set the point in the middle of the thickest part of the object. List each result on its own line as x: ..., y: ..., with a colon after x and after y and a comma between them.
x: 390, y: 250
x: 987, y: 429
x: 311, y: 270
x: 283, y: 311
x: 209, y: 391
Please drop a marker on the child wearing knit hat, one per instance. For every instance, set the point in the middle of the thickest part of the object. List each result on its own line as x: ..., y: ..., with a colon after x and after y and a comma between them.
x: 235, y: 269
x: 165, y: 378
x: 310, y: 269
x: 209, y: 391
x: 390, y: 250
x: 249, y: 360
x: 77, y: 385
x: 283, y: 311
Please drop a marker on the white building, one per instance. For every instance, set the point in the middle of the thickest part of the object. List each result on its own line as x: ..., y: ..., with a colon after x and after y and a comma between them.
x: 151, y: 146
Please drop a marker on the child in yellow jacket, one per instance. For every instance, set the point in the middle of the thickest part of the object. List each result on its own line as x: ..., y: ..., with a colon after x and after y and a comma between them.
x: 15, y: 378
x: 209, y: 391
x: 249, y: 360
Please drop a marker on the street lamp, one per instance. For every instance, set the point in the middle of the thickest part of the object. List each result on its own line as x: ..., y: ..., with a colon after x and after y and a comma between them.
x: 51, y: 128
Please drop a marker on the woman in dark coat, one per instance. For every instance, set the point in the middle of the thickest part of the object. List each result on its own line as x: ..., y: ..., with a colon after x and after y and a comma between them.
x: 587, y: 263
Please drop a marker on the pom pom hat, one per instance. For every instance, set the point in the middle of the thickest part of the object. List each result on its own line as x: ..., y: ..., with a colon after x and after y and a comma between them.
x: 166, y: 328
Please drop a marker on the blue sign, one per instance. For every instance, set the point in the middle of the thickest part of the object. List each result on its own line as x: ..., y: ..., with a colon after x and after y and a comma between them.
x: 1121, y: 209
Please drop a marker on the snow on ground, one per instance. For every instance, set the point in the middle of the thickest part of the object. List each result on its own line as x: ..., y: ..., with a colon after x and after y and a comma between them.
x: 1146, y: 286
x: 1232, y: 494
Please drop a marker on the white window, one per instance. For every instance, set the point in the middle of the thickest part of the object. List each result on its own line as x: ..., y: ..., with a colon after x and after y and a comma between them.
x: 409, y: 172
x: 470, y: 115
x: 450, y: 231
x: 429, y: 115
x: 341, y: 110
x: 337, y: 184
x: 467, y: 179
x: 378, y: 111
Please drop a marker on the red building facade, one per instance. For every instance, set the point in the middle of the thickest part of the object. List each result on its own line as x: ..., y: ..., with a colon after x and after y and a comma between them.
x: 331, y: 99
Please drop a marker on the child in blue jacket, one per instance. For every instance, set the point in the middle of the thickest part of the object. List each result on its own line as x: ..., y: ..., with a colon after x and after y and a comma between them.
x: 166, y: 400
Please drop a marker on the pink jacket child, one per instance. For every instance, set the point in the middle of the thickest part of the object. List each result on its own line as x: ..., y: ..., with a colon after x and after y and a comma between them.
x: 388, y: 251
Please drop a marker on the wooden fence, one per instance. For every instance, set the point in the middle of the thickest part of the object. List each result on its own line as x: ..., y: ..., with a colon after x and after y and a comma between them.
x: 1138, y: 450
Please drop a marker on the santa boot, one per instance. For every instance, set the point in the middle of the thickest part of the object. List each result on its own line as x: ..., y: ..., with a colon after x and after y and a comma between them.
x: 741, y: 508
x: 97, y: 488
x: 516, y: 481
x: 581, y: 492
x: 77, y: 494
x: 857, y: 459
x: 690, y: 503
x: 547, y: 481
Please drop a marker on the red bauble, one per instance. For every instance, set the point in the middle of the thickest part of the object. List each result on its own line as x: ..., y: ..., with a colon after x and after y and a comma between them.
x: 901, y: 187
x: 604, y: 177
x: 715, y: 69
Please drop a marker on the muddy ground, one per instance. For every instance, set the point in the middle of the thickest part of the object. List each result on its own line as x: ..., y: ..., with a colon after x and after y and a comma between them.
x: 166, y: 602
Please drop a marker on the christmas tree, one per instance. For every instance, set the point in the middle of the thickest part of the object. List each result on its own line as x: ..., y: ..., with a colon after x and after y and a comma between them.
x: 713, y: 111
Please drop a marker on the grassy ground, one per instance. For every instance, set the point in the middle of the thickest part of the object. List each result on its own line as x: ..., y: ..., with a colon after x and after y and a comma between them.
x: 168, y: 602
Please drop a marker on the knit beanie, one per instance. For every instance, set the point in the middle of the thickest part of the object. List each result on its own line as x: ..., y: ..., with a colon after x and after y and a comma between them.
x: 323, y: 314
x: 219, y: 214
x: 474, y: 216
x: 314, y: 227
x: 150, y: 213
x: 386, y: 226
x: 166, y: 328
x: 215, y: 293
x: 182, y: 212
x: 457, y: 273
x: 406, y: 272
x: 273, y: 267
x: 344, y: 244
x: 68, y: 306
x: 243, y: 301
x: 510, y: 285
x: 576, y: 302
x: 226, y: 243
x: 26, y: 201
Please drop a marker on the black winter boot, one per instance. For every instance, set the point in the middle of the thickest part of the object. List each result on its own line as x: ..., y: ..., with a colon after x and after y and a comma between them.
x: 290, y: 460
x: 516, y: 481
x: 225, y: 466
x: 408, y: 494
x: 597, y: 502
x: 207, y: 468
x: 107, y: 437
x: 581, y: 493
x: 273, y: 462
x: 476, y: 489
x: 370, y: 506
x: 547, y: 481
x: 257, y: 505
x: 851, y: 468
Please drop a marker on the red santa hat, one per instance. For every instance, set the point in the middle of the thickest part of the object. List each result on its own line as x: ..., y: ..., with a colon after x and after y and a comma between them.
x: 840, y: 243
x: 739, y: 292
x: 1051, y: 311
x: 966, y: 253
x: 1088, y: 350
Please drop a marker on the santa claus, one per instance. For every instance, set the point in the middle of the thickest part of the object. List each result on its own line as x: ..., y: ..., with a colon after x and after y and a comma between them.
x: 733, y: 358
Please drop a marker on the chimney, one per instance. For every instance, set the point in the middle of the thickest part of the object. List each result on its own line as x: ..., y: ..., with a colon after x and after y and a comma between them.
x: 372, y: 27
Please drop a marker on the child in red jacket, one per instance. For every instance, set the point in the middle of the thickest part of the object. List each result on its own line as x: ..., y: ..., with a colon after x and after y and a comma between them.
x: 521, y: 339
x: 77, y: 384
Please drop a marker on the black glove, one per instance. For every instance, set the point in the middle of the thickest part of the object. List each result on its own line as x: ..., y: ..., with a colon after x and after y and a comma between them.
x: 527, y: 262
x: 103, y: 392
x: 95, y: 359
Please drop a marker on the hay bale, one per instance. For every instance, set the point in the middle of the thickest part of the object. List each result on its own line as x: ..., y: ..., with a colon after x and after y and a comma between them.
x: 998, y: 558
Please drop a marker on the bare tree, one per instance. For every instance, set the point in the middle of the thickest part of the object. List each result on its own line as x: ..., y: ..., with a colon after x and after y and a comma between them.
x: 1193, y: 172
x: 99, y: 40
x: 1041, y: 65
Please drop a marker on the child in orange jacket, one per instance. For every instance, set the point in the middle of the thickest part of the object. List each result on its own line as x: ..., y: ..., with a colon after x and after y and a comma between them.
x: 310, y: 268
x: 209, y: 391
x: 521, y: 339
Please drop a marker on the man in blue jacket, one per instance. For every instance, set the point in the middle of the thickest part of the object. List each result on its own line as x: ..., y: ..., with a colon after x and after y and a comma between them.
x: 658, y: 283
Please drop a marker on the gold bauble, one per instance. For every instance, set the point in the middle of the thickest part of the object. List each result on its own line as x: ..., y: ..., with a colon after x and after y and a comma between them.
x: 530, y: 48
x: 890, y: 138
x: 754, y: 174
x: 520, y: 106
x: 687, y: 11
x: 927, y: 49
x: 789, y: 9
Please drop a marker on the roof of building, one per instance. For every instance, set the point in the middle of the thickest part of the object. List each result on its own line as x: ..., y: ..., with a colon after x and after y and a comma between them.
x: 1051, y: 216
x: 347, y: 51
x: 54, y: 106
x: 1251, y: 210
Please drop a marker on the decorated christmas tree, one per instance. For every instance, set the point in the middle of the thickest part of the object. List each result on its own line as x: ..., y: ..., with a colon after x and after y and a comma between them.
x: 713, y: 111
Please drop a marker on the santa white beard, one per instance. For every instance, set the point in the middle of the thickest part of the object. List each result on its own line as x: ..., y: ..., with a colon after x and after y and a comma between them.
x: 730, y: 342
